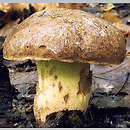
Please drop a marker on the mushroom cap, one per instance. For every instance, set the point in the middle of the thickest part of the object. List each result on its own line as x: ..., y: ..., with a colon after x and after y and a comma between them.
x: 65, y: 35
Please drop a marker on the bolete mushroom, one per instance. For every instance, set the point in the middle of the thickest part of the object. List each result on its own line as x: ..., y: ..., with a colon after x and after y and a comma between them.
x: 64, y: 42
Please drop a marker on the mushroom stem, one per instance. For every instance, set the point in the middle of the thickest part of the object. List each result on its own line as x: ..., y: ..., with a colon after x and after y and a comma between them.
x: 61, y: 86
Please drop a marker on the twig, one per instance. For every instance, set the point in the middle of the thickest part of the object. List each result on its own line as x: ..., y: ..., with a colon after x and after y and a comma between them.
x: 53, y: 122
x: 115, y: 80
x: 91, y: 116
x: 123, y: 86
x: 121, y: 76
x: 117, y: 67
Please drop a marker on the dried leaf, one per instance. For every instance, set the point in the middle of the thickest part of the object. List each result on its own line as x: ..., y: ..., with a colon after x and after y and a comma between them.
x: 108, y: 7
x: 6, y: 7
x: 111, y: 17
x: 7, y: 27
x: 123, y: 27
x: 52, y: 5
x: 20, y: 6
x: 72, y: 5
x: 116, y: 20
x: 39, y: 6
x: 66, y: 5
x: 128, y: 53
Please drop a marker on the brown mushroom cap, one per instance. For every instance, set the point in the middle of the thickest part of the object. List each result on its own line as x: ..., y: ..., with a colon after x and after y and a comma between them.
x: 65, y: 35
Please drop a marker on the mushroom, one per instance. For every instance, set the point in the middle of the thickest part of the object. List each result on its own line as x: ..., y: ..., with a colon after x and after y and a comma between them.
x: 64, y: 42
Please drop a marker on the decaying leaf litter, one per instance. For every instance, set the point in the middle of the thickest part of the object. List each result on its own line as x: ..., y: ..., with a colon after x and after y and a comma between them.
x: 108, y: 108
